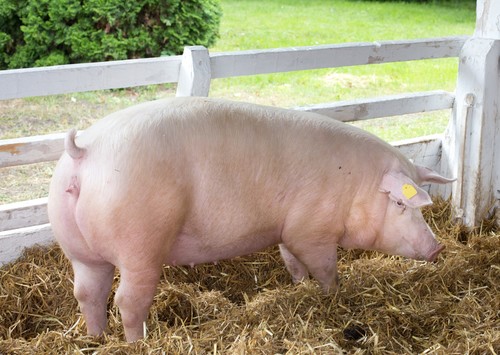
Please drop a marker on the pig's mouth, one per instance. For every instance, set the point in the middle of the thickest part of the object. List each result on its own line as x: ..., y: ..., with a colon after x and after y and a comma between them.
x: 433, y: 255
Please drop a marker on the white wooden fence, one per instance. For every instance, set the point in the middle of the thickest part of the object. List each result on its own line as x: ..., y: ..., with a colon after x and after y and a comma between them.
x: 465, y: 151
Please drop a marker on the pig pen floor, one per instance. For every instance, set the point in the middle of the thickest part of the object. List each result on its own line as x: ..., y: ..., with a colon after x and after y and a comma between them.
x: 385, y: 305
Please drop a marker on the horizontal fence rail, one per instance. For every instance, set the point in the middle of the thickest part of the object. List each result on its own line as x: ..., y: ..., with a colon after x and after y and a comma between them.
x: 394, y: 105
x: 23, y: 214
x: 267, y: 61
x: 62, y: 79
x: 29, y: 150
x: 13, y: 243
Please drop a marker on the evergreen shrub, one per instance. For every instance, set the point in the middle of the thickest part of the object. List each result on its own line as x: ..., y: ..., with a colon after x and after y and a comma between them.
x: 50, y: 32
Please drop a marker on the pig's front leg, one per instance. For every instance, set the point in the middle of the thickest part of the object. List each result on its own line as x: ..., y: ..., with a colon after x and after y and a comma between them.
x: 134, y: 298
x: 91, y: 289
x: 293, y: 265
x: 319, y: 255
x: 322, y: 264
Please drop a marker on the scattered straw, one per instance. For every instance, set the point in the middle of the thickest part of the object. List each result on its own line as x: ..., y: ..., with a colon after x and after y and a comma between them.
x: 249, y: 305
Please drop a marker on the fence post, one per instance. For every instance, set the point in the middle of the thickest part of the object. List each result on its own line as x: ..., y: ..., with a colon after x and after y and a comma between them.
x: 195, y: 72
x: 472, y: 140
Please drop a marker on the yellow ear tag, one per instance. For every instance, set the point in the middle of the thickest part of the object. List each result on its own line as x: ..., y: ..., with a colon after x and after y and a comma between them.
x: 409, y: 191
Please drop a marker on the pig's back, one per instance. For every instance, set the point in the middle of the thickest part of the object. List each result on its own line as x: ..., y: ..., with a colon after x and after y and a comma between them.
x: 205, y: 144
x: 160, y: 127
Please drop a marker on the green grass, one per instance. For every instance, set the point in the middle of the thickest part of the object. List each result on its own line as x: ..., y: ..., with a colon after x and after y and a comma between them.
x: 261, y: 24
x: 257, y: 24
x: 279, y: 23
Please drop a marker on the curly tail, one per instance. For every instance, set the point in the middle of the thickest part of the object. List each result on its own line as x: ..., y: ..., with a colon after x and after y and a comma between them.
x: 70, y: 146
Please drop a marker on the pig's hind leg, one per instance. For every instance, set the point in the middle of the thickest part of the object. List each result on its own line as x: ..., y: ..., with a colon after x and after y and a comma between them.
x: 134, y: 298
x: 293, y: 265
x: 92, y: 287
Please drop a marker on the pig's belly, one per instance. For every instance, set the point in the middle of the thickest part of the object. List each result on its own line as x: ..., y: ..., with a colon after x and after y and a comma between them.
x: 191, y: 249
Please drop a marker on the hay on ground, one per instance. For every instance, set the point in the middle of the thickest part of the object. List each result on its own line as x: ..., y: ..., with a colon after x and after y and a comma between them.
x: 249, y: 305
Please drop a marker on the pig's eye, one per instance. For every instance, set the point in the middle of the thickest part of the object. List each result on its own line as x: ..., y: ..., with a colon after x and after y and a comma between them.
x: 400, y: 204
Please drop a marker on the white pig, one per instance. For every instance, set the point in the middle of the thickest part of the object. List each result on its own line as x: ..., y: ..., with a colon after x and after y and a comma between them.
x: 192, y: 180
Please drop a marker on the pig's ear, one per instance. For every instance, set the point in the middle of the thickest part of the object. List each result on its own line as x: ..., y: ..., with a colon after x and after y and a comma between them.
x: 401, y: 188
x: 428, y: 175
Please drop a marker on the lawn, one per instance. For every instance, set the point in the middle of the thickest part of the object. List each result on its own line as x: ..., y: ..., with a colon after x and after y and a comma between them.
x: 257, y: 24
x: 269, y: 24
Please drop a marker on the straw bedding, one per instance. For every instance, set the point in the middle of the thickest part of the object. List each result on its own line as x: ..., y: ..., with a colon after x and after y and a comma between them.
x: 249, y: 305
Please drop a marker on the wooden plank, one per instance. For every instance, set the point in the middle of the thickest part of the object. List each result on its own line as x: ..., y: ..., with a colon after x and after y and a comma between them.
x: 63, y: 79
x: 487, y: 19
x: 229, y: 64
x: 28, y: 150
x: 194, y: 74
x: 13, y: 243
x: 425, y: 151
x: 23, y: 214
x: 363, y: 109
x: 136, y: 72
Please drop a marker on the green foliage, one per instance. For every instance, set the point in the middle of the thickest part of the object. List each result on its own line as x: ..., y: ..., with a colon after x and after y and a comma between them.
x: 50, y: 32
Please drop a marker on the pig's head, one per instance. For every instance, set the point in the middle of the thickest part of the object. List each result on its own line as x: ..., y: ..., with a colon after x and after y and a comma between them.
x: 404, y: 231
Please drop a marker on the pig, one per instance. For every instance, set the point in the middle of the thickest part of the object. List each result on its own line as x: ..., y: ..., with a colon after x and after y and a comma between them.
x: 184, y: 181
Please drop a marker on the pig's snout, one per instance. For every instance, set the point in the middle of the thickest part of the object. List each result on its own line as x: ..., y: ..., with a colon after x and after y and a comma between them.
x: 434, y: 254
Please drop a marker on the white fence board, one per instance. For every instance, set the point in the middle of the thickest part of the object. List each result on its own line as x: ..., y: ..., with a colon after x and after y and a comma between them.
x: 424, y: 151
x: 363, y: 109
x: 23, y: 214
x: 13, y: 243
x: 29, y: 150
x: 194, y: 73
x: 63, y: 79
x: 267, y: 61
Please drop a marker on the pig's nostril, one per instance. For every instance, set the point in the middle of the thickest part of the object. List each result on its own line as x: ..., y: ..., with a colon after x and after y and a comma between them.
x: 433, y: 256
